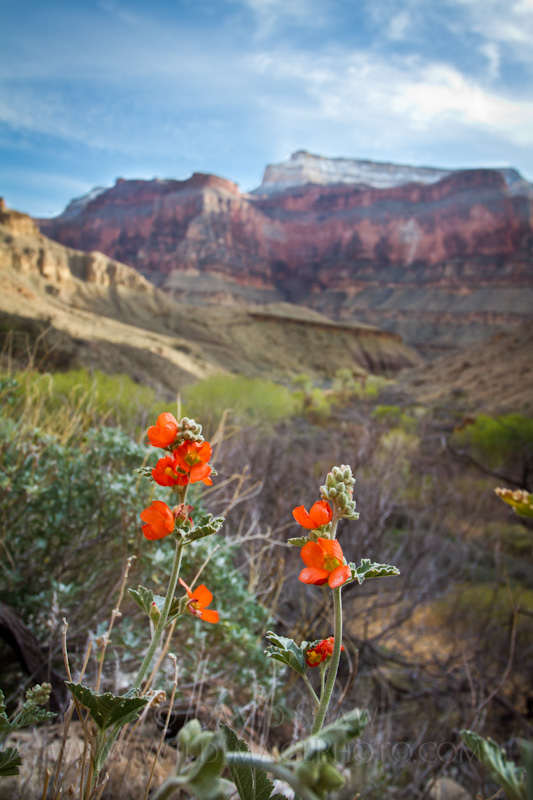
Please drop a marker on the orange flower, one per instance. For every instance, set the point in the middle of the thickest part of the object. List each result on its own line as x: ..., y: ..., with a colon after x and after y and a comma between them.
x: 192, y: 458
x: 164, y: 432
x: 165, y: 473
x: 324, y: 563
x: 319, y: 514
x: 323, y: 650
x: 159, y: 519
x: 198, y: 602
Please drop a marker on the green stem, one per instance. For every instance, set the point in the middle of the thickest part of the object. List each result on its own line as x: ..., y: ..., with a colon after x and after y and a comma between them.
x: 311, y: 690
x: 334, y: 664
x: 280, y: 771
x: 160, y: 627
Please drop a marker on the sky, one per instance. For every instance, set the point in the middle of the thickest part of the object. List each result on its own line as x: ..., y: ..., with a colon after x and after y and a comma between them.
x: 96, y: 90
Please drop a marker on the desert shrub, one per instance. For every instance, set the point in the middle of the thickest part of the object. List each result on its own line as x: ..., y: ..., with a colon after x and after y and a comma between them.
x: 66, y: 403
x: 394, y: 417
x: 501, y: 442
x: 250, y: 400
x: 69, y: 522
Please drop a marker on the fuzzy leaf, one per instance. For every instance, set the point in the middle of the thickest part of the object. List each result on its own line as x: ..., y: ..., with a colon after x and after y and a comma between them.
x: 286, y: 651
x: 31, y: 716
x: 10, y: 761
x: 298, y: 541
x: 344, y: 729
x: 207, y: 525
x: 143, y: 597
x: 107, y: 710
x: 146, y: 472
x: 5, y: 725
x: 371, y: 569
x: 510, y: 777
x: 177, y: 606
x: 251, y: 784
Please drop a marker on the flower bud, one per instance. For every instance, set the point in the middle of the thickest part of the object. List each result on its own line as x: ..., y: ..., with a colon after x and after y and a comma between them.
x: 329, y: 778
x: 155, y: 613
x: 188, y: 734
x: 308, y: 773
x: 39, y: 694
x: 182, y: 512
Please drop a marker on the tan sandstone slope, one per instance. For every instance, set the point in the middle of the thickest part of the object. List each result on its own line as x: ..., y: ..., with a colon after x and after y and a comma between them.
x: 113, y: 318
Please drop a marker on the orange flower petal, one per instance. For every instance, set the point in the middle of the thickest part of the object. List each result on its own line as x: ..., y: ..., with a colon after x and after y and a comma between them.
x: 312, y: 555
x: 163, y: 433
x: 154, y: 533
x: 209, y: 616
x: 331, y: 547
x: 314, y: 575
x: 338, y: 576
x: 202, y: 596
x: 302, y: 518
x: 199, y: 472
x: 207, y: 481
x: 205, y: 451
x: 321, y: 513
x: 186, y: 587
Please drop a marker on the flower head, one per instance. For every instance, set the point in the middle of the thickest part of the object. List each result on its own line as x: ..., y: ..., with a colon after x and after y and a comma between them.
x: 324, y: 562
x: 159, y: 520
x: 164, y: 432
x: 199, y: 599
x: 167, y: 473
x: 319, y: 514
x: 192, y: 458
x: 320, y: 652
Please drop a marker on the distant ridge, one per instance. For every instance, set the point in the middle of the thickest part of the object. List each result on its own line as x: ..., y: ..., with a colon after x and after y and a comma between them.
x: 306, y: 168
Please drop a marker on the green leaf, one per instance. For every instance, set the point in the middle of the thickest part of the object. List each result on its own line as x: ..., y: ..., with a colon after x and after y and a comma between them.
x: 31, y: 716
x: 206, y: 525
x: 143, y: 597
x: 10, y: 761
x: 204, y: 778
x: 370, y: 569
x: 298, y: 541
x: 286, y: 651
x: 506, y: 774
x: 107, y: 710
x: 343, y: 730
x: 251, y: 783
x: 5, y: 725
x: 177, y: 606
x: 146, y: 472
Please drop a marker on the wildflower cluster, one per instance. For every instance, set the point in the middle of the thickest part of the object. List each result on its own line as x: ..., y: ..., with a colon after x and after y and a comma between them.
x: 187, y: 464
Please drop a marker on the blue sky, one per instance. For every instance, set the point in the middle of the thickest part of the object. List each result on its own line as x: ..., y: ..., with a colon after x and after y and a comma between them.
x: 91, y: 91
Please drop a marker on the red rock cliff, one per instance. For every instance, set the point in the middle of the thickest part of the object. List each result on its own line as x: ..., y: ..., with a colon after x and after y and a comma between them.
x: 413, y: 257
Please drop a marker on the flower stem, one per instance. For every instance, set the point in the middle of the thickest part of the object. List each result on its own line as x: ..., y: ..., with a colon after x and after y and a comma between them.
x: 311, y: 690
x: 160, y: 627
x: 334, y: 664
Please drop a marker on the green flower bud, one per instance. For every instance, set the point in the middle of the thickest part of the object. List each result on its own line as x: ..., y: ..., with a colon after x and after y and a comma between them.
x: 342, y: 501
x: 155, y: 613
x: 200, y: 743
x: 329, y: 778
x: 308, y: 773
x: 39, y: 694
x: 189, y: 733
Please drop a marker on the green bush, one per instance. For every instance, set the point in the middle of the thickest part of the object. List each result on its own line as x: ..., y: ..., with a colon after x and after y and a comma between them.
x: 67, y: 403
x: 250, y: 400
x: 71, y: 519
x: 498, y: 441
